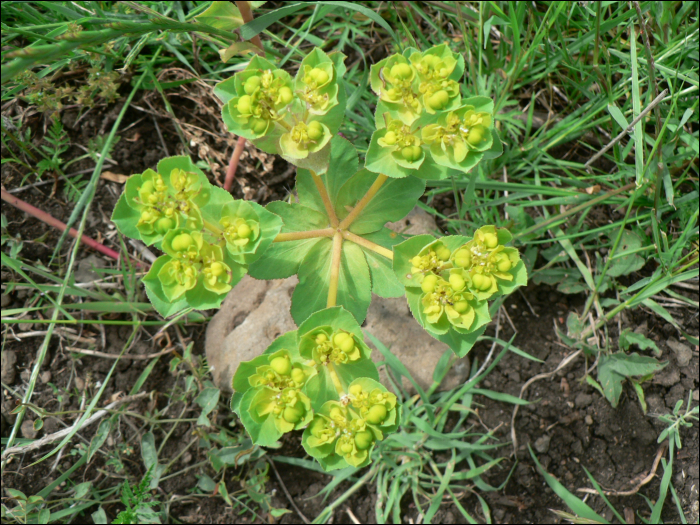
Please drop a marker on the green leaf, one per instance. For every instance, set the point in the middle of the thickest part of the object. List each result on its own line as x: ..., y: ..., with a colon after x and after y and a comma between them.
x: 154, y: 290
x: 150, y: 459
x: 282, y: 259
x: 207, y: 400
x: 264, y: 433
x: 394, y: 200
x: 125, y: 218
x: 628, y: 338
x: 519, y: 279
x: 496, y: 149
x: 343, y: 165
x: 633, y: 364
x: 627, y: 263
x: 610, y: 381
x: 221, y: 15
x: 354, y: 285
x: 259, y: 24
x: 384, y: 281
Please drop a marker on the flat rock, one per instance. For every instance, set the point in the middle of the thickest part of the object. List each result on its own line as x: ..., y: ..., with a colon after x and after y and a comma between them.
x: 683, y: 353
x: 256, y: 312
x: 85, y: 272
x: 9, y: 360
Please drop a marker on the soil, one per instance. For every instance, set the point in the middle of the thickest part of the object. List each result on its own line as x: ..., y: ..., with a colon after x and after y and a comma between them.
x: 568, y: 424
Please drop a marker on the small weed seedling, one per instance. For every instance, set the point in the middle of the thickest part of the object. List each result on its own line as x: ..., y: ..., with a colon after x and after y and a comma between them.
x: 320, y: 378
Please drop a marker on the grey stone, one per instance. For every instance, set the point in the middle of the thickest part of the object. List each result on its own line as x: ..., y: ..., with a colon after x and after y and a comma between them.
x: 683, y: 353
x: 668, y: 377
x: 45, y: 376
x: 417, y: 222
x: 234, y: 337
x: 542, y: 444
x: 9, y: 360
x: 27, y: 429
x: 253, y: 314
x: 642, y: 329
x: 256, y: 312
x: 85, y: 272
x: 5, y: 300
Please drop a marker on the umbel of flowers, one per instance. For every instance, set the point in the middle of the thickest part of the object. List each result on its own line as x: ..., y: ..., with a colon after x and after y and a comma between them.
x: 449, y: 281
x: 424, y: 126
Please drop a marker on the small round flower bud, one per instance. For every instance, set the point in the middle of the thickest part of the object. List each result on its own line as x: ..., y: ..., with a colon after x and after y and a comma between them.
x: 355, y: 390
x: 314, y: 130
x: 490, y: 240
x: 251, y: 85
x: 164, y: 224
x: 319, y: 75
x: 181, y: 242
x: 456, y: 282
x: 443, y: 253
x: 416, y: 261
x: 428, y: 284
x: 286, y: 95
x: 439, y: 99
x: 390, y: 138
x: 321, y: 338
x: 258, y: 125
x: 298, y: 375
x: 481, y: 282
x: 463, y: 258
x: 377, y: 414
x: 244, y: 231
x: 401, y: 71
x: 293, y: 414
x: 216, y: 269
x: 244, y: 105
x: 346, y: 448
x: 475, y: 136
x: 504, y: 264
x: 411, y: 153
x: 363, y: 440
x: 461, y: 306
x: 282, y: 365
x: 340, y: 338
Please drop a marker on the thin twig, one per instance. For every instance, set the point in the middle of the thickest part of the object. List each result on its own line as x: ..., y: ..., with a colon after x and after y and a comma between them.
x: 21, y: 449
x: 286, y: 492
x: 117, y: 356
x: 628, y: 129
x: 639, y: 485
x: 233, y: 164
x: 567, y: 360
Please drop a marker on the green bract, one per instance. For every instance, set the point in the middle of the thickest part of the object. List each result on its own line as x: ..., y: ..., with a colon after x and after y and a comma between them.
x: 332, y: 233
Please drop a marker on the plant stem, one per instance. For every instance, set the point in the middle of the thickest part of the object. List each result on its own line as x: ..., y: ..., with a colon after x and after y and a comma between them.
x: 52, y: 221
x: 213, y: 228
x: 247, y: 15
x: 371, y: 192
x: 336, y: 380
x: 335, y: 269
x: 325, y: 198
x: 233, y: 163
x: 311, y: 234
x: 368, y: 244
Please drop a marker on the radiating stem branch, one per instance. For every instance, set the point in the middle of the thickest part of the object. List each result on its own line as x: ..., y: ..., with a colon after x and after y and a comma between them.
x: 336, y: 380
x: 325, y: 198
x: 335, y: 269
x: 371, y: 192
x: 368, y: 244
x: 311, y: 234
x: 213, y: 228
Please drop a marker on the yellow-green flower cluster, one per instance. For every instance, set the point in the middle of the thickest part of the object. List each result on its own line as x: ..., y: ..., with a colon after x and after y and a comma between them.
x: 350, y: 427
x: 265, y: 95
x: 453, y: 283
x: 164, y: 207
x: 458, y: 132
x: 192, y: 260
x: 279, y: 395
x: 337, y: 347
